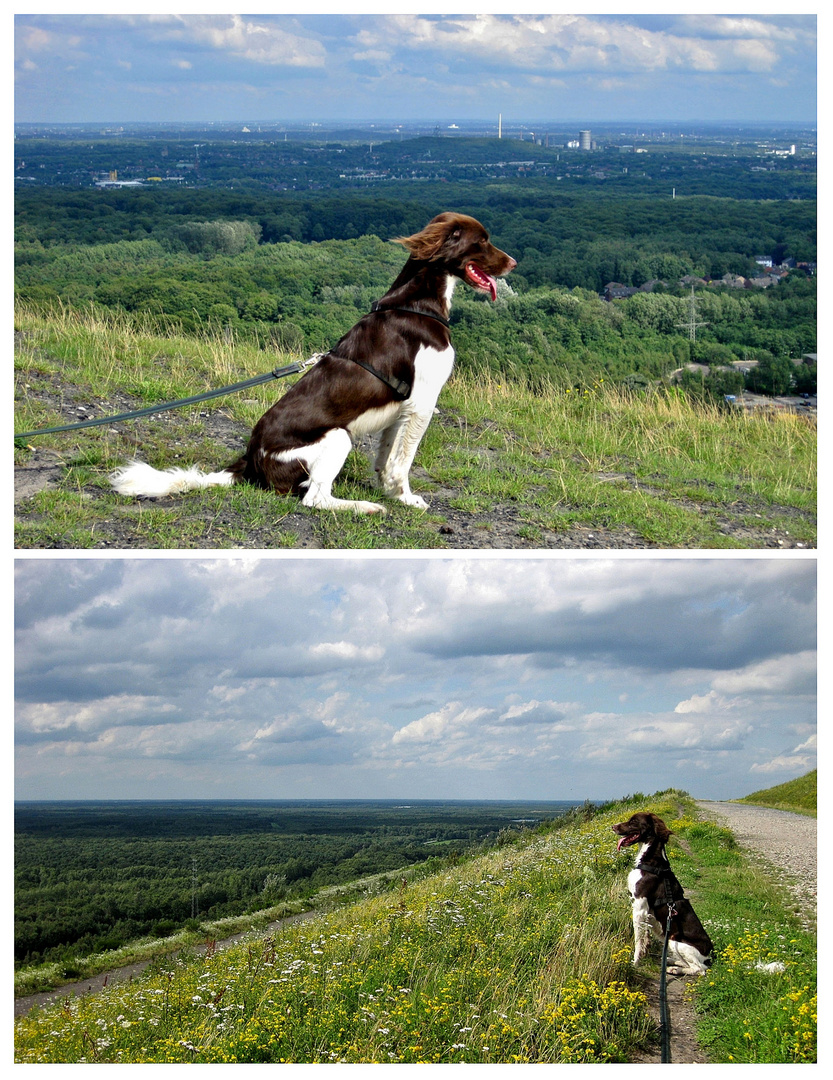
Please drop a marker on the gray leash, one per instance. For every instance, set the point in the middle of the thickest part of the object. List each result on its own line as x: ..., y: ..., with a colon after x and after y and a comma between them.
x: 401, y: 389
x: 276, y: 373
x: 664, y: 1025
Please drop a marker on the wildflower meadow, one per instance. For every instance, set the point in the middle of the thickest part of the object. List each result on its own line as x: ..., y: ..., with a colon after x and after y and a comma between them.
x: 521, y: 954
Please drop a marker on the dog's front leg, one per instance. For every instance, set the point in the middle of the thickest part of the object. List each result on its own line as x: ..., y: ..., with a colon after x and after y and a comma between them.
x: 641, y: 929
x: 397, y: 448
x: 323, y: 461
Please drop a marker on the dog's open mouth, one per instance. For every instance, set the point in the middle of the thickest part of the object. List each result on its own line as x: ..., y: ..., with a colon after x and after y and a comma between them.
x: 479, y: 279
x: 626, y: 840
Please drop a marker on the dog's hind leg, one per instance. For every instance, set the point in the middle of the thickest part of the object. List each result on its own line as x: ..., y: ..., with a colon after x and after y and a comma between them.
x: 685, y: 959
x: 323, y: 461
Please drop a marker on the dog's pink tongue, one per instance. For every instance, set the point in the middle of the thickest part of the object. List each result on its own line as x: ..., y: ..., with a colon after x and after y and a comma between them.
x: 482, y: 280
x: 623, y: 840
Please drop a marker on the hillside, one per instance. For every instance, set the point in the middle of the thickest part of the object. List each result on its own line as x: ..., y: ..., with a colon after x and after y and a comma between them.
x: 505, y: 464
x: 518, y: 955
x: 798, y: 796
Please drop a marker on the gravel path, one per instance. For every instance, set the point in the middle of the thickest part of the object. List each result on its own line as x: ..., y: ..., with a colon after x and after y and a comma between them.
x: 785, y: 842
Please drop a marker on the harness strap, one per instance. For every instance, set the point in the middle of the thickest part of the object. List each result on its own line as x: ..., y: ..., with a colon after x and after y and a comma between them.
x: 401, y: 388
x: 376, y: 309
x: 666, y: 873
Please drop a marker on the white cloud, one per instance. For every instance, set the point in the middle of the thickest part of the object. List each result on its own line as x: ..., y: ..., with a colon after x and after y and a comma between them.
x: 259, y: 41
x: 536, y: 712
x: 56, y: 719
x: 703, y: 703
x: 580, y: 43
x: 790, y: 673
x: 348, y: 650
x: 451, y: 721
x: 791, y: 763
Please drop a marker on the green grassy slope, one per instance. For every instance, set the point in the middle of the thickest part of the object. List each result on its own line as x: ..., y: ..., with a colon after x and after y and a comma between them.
x: 518, y: 955
x: 797, y: 795
x: 646, y: 470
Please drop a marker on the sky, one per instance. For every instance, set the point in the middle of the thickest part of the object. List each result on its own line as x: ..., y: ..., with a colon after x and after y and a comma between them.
x: 448, y: 678
x: 432, y: 68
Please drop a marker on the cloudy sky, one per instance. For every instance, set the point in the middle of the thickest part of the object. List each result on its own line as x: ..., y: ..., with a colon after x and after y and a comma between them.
x: 434, y: 68
x: 421, y: 678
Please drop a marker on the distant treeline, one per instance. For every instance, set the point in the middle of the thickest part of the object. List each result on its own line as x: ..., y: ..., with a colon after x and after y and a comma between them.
x: 92, y: 876
x: 294, y: 270
x: 570, y: 240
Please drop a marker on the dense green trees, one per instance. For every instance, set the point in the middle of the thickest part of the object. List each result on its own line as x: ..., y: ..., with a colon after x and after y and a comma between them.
x: 93, y: 876
x: 294, y: 269
x: 302, y: 297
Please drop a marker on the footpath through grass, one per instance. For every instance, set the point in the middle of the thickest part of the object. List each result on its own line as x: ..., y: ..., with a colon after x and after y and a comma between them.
x: 656, y: 469
x: 521, y: 954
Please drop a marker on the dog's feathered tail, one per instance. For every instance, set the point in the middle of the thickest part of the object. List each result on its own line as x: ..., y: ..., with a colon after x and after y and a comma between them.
x: 138, y: 478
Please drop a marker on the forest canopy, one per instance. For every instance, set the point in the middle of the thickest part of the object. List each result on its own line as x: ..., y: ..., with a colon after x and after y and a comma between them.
x: 293, y: 269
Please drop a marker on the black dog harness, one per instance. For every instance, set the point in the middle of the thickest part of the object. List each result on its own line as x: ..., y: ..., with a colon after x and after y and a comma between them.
x: 375, y: 309
x: 666, y: 874
x: 401, y: 388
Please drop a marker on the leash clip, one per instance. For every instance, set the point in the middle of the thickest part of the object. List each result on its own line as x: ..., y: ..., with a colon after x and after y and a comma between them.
x: 304, y: 364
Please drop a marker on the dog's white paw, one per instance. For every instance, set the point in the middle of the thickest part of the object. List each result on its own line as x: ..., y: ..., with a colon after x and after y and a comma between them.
x: 414, y: 500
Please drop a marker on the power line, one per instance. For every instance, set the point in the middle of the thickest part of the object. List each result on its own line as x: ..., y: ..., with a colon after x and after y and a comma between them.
x: 692, y: 323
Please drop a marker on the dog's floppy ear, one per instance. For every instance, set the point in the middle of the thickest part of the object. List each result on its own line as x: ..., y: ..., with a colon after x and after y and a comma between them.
x: 428, y: 242
x: 661, y: 830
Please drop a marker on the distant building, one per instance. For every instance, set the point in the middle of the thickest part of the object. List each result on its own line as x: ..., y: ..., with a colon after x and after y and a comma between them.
x: 614, y: 290
x: 585, y: 141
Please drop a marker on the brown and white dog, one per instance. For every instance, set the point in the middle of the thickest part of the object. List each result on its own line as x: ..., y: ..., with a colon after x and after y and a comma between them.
x: 383, y: 377
x: 689, y: 946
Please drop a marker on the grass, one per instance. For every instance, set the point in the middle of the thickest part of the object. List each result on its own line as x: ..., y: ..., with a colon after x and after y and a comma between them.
x: 659, y: 469
x: 798, y: 796
x: 517, y: 955
x: 44, y: 977
x: 758, y: 1002
x: 39, y: 978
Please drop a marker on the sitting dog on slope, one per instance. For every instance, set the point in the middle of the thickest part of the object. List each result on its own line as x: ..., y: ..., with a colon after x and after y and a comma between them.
x: 689, y: 946
x: 383, y: 377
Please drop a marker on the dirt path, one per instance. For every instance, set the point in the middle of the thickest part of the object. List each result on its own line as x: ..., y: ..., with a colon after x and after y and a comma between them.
x: 94, y: 983
x: 785, y: 843
x: 788, y: 854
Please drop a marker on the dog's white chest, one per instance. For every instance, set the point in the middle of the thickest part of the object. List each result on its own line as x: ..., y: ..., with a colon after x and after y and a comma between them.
x: 432, y: 368
x: 634, y: 878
